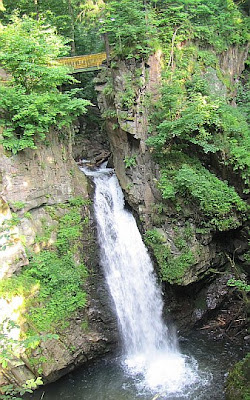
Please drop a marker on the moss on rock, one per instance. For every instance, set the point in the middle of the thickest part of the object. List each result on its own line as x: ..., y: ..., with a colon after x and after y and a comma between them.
x: 237, y: 386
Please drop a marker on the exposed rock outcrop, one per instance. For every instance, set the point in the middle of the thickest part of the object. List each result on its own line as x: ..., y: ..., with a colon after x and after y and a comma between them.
x: 35, y: 186
x: 30, y: 181
x: 127, y: 127
x: 232, y: 61
x: 90, y: 139
x: 125, y: 94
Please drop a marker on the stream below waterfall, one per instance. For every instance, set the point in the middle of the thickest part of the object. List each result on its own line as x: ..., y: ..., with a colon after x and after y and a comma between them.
x: 106, y: 379
x: 152, y: 364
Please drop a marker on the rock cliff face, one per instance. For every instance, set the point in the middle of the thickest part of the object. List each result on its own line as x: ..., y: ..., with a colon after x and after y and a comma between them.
x: 90, y: 140
x: 127, y: 127
x: 35, y: 186
x: 125, y: 94
x: 29, y: 182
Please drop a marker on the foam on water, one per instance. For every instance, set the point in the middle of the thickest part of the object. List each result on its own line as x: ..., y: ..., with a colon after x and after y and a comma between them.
x: 163, y: 372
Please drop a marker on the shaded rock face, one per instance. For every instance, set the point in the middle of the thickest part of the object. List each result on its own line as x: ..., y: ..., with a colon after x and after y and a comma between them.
x: 90, y: 138
x: 124, y: 95
x: 31, y: 181
x: 127, y: 129
x: 232, y: 61
x: 45, y: 176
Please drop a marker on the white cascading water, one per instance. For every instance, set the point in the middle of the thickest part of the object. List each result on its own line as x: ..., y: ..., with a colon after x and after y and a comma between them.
x: 149, y: 351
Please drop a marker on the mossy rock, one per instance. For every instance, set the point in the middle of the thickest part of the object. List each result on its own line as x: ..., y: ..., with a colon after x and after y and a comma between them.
x: 237, y: 385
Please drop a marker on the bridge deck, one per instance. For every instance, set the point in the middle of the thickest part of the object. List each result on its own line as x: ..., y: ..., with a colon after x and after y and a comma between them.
x: 84, y: 63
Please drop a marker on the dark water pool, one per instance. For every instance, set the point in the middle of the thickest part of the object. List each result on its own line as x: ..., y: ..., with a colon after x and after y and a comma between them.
x: 106, y: 379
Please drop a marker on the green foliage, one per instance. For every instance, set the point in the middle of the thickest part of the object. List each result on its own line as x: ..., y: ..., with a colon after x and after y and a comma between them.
x: 76, y: 20
x: 182, y: 237
x: 243, y: 95
x: 12, y: 348
x: 131, y: 83
x: 161, y: 251
x: 6, y: 231
x: 27, y: 215
x: 130, y: 161
x: 28, y: 52
x: 127, y: 98
x: 109, y: 113
x: 79, y: 201
x: 136, y: 26
x: 216, y: 23
x: 185, y: 177
x: 172, y: 268
x: 193, y: 111
x: 236, y: 142
x: 52, y: 283
x: 10, y: 392
x: 191, y: 116
x: 10, y: 223
x: 28, y: 117
x: 32, y: 104
x: 61, y: 15
x: 237, y: 384
x: 18, y: 205
x: 239, y: 284
x: 177, y: 266
x: 129, y: 28
x: 60, y: 289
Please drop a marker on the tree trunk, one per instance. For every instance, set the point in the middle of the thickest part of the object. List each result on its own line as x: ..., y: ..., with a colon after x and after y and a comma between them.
x: 36, y: 9
x: 71, y: 13
x: 107, y: 47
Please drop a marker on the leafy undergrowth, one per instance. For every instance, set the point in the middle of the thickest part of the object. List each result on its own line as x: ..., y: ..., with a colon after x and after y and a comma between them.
x: 172, y: 268
x: 237, y: 385
x: 191, y: 114
x: 51, y: 286
x: 219, y: 204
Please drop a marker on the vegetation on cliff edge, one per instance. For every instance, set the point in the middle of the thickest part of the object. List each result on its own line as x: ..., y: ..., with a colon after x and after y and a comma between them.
x: 52, y: 285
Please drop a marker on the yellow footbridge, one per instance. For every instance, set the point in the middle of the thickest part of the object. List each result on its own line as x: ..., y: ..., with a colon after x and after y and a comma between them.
x: 90, y: 62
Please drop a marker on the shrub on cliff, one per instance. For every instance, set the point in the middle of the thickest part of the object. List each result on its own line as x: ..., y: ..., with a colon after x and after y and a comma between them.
x: 237, y: 386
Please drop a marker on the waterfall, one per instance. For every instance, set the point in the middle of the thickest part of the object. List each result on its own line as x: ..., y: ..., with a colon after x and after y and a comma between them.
x: 149, y: 350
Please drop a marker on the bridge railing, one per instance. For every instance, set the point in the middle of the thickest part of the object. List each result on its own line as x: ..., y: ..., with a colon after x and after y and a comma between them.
x: 91, y: 61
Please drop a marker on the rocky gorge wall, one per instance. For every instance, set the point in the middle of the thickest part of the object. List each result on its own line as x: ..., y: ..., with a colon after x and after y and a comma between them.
x: 37, y: 189
x: 198, y: 292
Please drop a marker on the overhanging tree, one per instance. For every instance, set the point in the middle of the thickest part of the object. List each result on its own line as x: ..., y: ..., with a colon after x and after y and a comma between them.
x: 30, y: 103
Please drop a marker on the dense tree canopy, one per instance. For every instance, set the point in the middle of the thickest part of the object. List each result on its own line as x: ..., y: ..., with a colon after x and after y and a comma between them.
x: 136, y: 24
x: 30, y: 101
x: 191, y: 34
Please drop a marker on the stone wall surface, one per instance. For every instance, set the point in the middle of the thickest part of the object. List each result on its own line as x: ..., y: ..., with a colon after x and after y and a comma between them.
x: 30, y: 182
x: 138, y: 83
